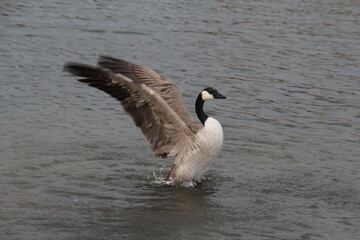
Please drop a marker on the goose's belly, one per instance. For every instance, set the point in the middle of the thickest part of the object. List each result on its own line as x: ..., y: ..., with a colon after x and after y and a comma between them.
x: 201, y: 152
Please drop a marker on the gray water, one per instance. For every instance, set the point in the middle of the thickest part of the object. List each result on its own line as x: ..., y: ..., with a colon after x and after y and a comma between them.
x: 73, y: 166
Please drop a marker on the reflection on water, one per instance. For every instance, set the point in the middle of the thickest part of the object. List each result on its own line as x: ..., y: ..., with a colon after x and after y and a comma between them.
x: 73, y: 166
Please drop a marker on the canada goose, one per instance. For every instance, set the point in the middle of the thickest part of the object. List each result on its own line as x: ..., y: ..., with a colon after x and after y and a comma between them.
x: 157, y: 108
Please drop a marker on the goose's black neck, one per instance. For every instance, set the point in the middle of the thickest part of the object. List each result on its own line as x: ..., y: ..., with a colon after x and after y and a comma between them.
x: 199, y: 109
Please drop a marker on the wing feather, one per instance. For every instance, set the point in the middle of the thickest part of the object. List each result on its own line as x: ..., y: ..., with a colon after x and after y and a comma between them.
x: 160, y: 124
x: 166, y: 89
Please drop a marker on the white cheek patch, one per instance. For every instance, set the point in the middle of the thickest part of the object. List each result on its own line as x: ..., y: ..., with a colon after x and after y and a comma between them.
x: 205, y: 95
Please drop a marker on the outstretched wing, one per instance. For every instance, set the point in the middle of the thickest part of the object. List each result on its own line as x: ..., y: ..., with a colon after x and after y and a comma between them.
x: 166, y: 89
x: 162, y: 127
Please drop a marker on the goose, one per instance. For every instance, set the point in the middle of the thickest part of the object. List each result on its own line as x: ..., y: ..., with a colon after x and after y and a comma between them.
x: 156, y: 106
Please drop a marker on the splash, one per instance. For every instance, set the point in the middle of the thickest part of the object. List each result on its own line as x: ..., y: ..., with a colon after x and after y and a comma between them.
x: 207, y: 182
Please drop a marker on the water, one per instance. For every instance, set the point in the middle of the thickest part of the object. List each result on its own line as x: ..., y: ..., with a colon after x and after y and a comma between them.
x: 74, y: 167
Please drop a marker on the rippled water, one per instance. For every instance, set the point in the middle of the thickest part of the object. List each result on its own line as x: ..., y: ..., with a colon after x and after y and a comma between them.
x: 74, y: 167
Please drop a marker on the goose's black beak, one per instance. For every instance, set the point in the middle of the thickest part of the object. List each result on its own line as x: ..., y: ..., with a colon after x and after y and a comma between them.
x: 217, y: 95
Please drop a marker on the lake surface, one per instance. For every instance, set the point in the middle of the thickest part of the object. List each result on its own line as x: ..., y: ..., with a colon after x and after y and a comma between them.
x: 73, y: 166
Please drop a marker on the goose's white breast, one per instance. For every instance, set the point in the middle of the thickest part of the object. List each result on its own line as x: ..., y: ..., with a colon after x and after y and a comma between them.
x: 206, y: 146
x: 212, y: 136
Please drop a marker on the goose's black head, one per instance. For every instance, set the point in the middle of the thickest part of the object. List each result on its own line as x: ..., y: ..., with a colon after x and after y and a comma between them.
x: 210, y: 93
